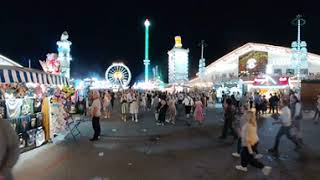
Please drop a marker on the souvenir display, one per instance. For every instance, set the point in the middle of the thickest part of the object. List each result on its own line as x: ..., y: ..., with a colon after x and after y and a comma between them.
x: 33, y: 122
x: 31, y: 137
x: 40, y: 137
x: 57, y: 120
x: 22, y: 142
x: 13, y: 107
x: 27, y: 106
x: 2, y: 109
x: 22, y: 107
x: 39, y: 118
x: 37, y: 105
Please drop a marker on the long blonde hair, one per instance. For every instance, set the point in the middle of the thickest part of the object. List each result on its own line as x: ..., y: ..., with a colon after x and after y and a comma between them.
x: 251, y: 118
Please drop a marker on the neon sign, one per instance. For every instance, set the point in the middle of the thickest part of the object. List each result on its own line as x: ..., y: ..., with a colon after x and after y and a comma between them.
x: 271, y: 81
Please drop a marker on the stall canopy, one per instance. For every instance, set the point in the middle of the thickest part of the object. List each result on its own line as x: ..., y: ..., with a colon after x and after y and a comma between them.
x: 14, y: 74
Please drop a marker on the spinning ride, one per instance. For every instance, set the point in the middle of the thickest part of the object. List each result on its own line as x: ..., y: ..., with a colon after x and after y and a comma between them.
x: 118, y: 75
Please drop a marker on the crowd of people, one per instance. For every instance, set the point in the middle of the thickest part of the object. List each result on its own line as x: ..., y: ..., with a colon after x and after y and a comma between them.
x: 241, y: 114
x: 165, y: 106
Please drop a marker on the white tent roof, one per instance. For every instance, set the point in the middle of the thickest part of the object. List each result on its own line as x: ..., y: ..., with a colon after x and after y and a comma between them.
x: 259, y: 47
x: 4, y: 61
x: 313, y: 58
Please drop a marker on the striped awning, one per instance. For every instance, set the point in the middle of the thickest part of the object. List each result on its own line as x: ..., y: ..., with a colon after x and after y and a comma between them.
x: 26, y: 75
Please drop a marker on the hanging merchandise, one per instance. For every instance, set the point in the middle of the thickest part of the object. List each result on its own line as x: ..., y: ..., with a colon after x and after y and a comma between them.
x: 2, y: 109
x: 39, y: 117
x: 33, y: 123
x: 37, y: 105
x: 40, y: 137
x: 13, y: 123
x: 22, y: 142
x: 31, y: 137
x: 57, y: 120
x: 27, y: 106
x: 13, y: 107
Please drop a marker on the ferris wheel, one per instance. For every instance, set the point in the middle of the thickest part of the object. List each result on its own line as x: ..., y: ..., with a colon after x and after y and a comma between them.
x: 118, y: 74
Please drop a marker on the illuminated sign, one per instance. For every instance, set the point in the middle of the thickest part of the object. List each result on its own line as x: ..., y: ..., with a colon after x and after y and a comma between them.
x: 178, y: 42
x: 271, y: 81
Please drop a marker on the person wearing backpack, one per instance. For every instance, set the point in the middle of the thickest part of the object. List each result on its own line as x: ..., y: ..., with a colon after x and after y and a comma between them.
x: 188, y: 103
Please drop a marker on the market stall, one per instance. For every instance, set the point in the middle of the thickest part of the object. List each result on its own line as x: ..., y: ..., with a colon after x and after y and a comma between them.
x: 25, y: 102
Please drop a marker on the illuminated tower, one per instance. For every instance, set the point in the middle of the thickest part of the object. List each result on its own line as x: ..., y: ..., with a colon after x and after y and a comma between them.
x: 178, y: 63
x: 299, y: 48
x: 202, y: 62
x: 146, y: 60
x: 64, y: 54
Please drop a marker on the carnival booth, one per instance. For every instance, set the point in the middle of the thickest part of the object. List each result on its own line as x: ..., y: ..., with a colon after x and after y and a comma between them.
x: 25, y: 102
x: 267, y: 85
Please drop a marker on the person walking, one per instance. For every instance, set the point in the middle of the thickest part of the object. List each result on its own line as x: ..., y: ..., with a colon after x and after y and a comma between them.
x: 239, y: 124
x: 124, y: 107
x: 317, y: 110
x: 95, y: 114
x: 296, y: 113
x: 112, y: 99
x: 172, y: 111
x: 143, y: 103
x: 134, y: 108
x: 107, y: 107
x: 285, y: 120
x: 238, y: 98
x: 188, y: 103
x: 271, y: 104
x: 162, y: 110
x: 264, y: 105
x: 198, y: 111
x: 229, y: 118
x: 9, y: 150
x: 249, y: 143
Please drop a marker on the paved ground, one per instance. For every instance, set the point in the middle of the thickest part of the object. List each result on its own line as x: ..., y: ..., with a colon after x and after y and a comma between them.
x: 144, y: 151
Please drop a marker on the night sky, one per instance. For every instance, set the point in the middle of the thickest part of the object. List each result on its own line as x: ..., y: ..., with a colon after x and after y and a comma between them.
x: 106, y: 31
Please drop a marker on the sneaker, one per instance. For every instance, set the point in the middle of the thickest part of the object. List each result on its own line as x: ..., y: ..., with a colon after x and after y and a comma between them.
x: 159, y: 124
x: 258, y: 156
x: 266, y: 170
x: 240, y: 168
x: 136, y: 120
x: 236, y: 154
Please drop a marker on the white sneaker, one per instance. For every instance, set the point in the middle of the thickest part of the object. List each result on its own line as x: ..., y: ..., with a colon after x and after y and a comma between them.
x: 236, y: 154
x: 258, y: 156
x: 240, y: 168
x: 136, y: 120
x: 266, y: 170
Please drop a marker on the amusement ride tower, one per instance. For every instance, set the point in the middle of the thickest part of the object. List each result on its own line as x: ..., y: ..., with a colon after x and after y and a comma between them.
x: 299, y: 49
x: 64, y: 54
x: 146, y: 60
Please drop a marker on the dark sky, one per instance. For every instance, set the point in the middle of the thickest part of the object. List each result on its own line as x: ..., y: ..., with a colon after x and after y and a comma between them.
x: 105, y: 31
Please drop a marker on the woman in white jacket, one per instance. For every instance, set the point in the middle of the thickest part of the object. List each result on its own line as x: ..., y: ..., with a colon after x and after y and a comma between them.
x: 249, y: 138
